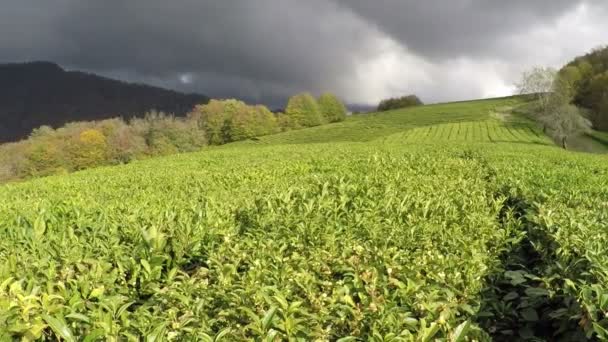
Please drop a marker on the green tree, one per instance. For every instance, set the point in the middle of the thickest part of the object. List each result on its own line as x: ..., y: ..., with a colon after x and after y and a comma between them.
x: 332, y: 109
x: 591, y: 88
x: 232, y: 120
x: 214, y: 119
x: 242, y: 124
x: 303, y: 111
x: 597, y: 99
x: 266, y: 121
x: 570, y: 77
x: 42, y: 158
x: 284, y: 122
x: 399, y: 102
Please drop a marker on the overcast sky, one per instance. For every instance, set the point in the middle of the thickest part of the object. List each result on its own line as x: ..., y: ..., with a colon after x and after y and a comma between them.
x: 265, y: 50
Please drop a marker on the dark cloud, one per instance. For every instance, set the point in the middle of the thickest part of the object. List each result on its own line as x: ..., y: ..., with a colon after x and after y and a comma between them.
x: 264, y: 50
x: 447, y: 29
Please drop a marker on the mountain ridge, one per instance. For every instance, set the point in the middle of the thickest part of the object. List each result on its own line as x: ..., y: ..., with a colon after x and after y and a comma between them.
x: 39, y: 93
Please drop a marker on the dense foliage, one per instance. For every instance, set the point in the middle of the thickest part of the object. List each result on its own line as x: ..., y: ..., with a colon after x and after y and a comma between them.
x: 399, y: 102
x: 588, y: 78
x: 417, y: 235
x: 81, y: 145
x: 303, y: 111
x: 225, y: 121
x: 332, y: 109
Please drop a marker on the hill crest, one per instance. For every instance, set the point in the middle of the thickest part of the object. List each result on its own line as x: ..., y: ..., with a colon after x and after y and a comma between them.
x: 39, y: 93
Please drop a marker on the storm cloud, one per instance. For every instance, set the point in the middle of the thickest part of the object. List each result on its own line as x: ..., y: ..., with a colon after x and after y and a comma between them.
x: 265, y: 50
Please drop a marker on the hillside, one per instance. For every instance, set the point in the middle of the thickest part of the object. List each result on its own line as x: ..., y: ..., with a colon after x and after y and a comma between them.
x: 42, y: 93
x: 588, y: 77
x: 378, y: 126
x: 450, y: 222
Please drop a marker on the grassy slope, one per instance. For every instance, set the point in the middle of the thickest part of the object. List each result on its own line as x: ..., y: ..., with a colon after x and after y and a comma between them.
x: 367, y: 127
x: 594, y: 142
x: 421, y: 188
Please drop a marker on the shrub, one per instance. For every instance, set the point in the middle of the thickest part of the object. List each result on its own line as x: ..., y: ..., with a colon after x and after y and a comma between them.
x: 332, y: 109
x: 400, y: 102
x: 303, y: 111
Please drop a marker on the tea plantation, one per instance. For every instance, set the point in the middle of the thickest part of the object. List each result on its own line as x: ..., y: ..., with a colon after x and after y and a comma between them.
x: 453, y: 222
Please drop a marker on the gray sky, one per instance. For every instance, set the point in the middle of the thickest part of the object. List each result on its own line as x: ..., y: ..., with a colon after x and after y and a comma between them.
x: 266, y: 50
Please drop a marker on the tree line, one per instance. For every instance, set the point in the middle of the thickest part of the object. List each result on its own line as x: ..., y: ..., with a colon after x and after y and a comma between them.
x: 399, y: 102
x: 587, y: 79
x: 81, y: 145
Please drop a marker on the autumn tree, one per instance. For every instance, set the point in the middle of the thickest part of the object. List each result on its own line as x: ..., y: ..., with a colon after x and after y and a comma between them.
x: 88, y: 149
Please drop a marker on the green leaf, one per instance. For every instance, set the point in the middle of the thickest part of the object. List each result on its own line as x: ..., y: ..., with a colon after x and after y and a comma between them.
x: 98, y: 292
x: 430, y: 332
x: 221, y: 334
x: 271, y: 336
x: 529, y: 315
x: 94, y: 335
x: 347, y: 339
x: 461, y: 331
x: 205, y: 337
x: 59, y: 327
x: 536, y: 292
x: 123, y: 308
x: 600, y: 331
x: 39, y: 227
x: 267, y: 320
x: 157, y: 334
x: 146, y: 266
x: 510, y: 296
x: 79, y: 317
x: 516, y: 277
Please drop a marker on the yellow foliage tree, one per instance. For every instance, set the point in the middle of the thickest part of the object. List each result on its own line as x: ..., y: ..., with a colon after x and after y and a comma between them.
x: 89, y: 149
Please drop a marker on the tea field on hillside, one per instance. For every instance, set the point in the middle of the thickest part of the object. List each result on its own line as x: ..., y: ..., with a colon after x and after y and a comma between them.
x: 462, y: 225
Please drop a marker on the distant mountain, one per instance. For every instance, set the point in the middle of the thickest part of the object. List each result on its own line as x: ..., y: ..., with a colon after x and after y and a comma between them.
x: 42, y: 93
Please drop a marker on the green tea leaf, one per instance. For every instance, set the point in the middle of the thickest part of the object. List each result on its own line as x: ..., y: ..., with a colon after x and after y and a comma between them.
x: 59, y: 327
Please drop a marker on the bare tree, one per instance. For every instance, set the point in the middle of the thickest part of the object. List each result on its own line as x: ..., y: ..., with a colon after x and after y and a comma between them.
x: 565, y: 121
x: 556, y: 114
x: 538, y: 82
